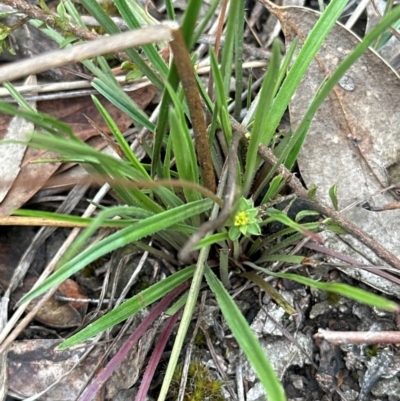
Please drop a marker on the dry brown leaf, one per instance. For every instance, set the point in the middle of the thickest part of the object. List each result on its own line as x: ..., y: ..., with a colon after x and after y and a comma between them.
x: 29, y: 181
x: 74, y: 111
x: 39, y: 360
x: 11, y: 154
x: 54, y: 313
x: 33, y: 176
x: 354, y: 139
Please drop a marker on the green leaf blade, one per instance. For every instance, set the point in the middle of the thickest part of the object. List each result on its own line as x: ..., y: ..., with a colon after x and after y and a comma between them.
x: 301, y: 63
x: 344, y: 290
x: 246, y: 339
x: 130, y: 307
x: 119, y: 239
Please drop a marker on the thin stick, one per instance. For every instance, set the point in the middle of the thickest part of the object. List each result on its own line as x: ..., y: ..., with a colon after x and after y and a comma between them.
x: 59, y: 58
x: 359, y: 337
x: 189, y: 84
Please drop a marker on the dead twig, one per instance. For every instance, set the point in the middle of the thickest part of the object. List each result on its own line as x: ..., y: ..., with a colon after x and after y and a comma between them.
x: 102, y: 45
x: 359, y: 337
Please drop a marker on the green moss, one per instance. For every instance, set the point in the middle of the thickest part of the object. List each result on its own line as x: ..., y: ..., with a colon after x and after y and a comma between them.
x: 371, y: 350
x: 333, y: 298
x: 201, y: 385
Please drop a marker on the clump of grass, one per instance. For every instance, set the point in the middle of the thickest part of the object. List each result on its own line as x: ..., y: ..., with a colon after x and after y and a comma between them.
x: 166, y: 198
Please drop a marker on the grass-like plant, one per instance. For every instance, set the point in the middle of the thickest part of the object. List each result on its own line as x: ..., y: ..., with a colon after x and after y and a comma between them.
x: 173, y: 196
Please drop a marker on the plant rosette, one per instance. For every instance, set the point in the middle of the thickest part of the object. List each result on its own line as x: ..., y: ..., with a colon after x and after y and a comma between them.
x: 246, y: 220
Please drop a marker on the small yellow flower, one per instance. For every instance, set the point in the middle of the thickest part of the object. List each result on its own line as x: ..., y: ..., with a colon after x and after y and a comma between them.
x: 241, y: 219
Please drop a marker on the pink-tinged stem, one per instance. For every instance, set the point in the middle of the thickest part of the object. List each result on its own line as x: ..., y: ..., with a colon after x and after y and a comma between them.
x: 155, y: 357
x: 354, y: 262
x: 104, y: 375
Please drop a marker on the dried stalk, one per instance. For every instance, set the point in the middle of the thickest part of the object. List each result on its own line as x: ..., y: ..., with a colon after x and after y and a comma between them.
x: 189, y: 84
x: 58, y: 58
x: 40, y: 222
x: 359, y: 337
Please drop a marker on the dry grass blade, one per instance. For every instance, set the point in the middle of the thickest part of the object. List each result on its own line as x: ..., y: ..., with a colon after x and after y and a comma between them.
x: 84, y: 51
